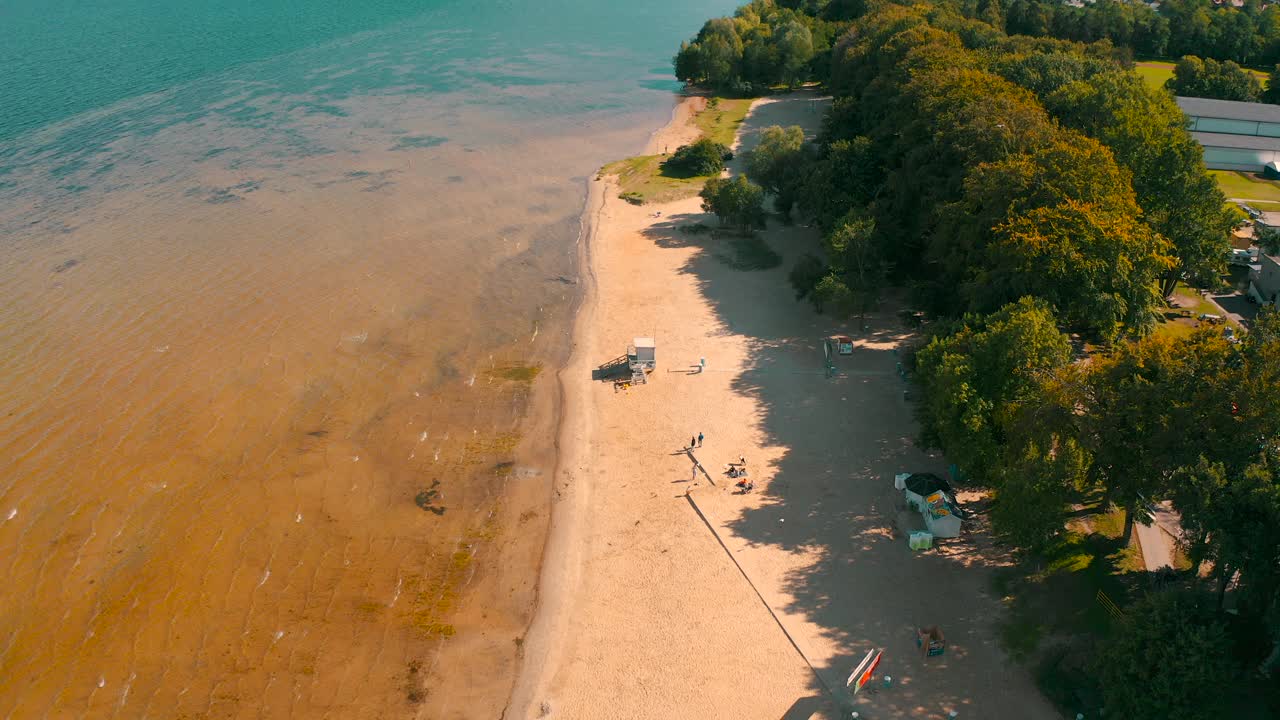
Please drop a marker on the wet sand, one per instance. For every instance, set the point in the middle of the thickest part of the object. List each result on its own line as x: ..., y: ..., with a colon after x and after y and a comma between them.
x: 667, y: 594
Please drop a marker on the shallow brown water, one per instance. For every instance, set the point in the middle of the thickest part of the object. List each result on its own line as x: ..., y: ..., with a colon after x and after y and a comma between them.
x: 267, y: 430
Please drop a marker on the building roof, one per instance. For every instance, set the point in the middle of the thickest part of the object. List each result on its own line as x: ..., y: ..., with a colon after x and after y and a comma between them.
x: 1242, y: 142
x: 643, y: 342
x: 1229, y: 109
x: 1270, y: 219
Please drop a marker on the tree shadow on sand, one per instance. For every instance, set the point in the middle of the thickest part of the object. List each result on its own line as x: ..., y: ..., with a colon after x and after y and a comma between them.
x: 829, y: 516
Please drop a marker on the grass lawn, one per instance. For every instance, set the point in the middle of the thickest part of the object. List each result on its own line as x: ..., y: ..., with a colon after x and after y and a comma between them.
x: 641, y: 179
x: 1180, y: 320
x: 1156, y: 72
x: 1195, y: 302
x: 720, y: 123
x: 1246, y: 186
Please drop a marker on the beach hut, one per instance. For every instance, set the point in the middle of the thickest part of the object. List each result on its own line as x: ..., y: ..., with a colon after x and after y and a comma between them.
x: 641, y: 358
x: 642, y: 353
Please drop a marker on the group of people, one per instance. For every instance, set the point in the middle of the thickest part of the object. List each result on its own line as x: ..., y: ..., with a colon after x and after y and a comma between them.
x: 737, y: 471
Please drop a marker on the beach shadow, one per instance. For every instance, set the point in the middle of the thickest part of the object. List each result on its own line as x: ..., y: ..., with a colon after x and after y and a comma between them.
x: 615, y: 369
x: 824, y: 522
x: 805, y: 708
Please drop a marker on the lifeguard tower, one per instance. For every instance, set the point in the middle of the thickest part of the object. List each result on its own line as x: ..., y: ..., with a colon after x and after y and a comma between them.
x: 641, y: 358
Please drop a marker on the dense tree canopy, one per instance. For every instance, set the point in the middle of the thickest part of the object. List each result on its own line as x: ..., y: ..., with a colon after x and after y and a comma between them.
x: 1248, y: 35
x: 1022, y: 188
x: 1212, y: 79
x: 1169, y: 658
x: 974, y: 381
x: 762, y: 45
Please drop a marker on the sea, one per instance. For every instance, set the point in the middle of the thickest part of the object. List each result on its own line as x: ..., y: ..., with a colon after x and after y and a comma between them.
x: 284, y: 287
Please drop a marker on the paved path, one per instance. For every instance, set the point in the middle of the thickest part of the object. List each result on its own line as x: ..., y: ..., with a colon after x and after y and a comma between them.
x: 1157, y: 546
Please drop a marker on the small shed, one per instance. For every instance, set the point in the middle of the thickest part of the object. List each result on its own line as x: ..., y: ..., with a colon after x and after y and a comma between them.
x: 941, y: 515
x: 642, y: 353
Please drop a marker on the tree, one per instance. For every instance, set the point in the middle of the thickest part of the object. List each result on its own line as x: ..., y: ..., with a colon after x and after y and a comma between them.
x: 778, y: 163
x: 805, y: 275
x: 1098, y: 268
x: 858, y: 269
x: 846, y: 175
x: 975, y: 380
x: 795, y: 50
x: 1147, y: 132
x: 1212, y: 79
x: 832, y: 295
x: 701, y: 157
x: 736, y: 202
x: 1033, y: 485
x: 1272, y: 92
x: 1169, y: 657
x: 1233, y: 519
x: 1137, y: 407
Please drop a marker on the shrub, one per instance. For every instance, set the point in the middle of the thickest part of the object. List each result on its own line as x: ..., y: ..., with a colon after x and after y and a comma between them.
x: 702, y: 157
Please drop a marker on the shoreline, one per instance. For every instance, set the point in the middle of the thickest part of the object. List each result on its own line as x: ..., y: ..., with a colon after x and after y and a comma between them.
x: 661, y: 594
x: 560, y: 566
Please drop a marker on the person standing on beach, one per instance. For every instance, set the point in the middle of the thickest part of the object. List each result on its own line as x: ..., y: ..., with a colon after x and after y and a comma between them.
x: 693, y: 442
x: 699, y: 439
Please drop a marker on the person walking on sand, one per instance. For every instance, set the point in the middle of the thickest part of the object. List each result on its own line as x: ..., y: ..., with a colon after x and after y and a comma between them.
x: 699, y: 439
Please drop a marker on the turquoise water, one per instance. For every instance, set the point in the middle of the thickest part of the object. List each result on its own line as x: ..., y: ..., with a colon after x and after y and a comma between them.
x: 59, y: 58
x: 270, y: 267
x: 63, y: 58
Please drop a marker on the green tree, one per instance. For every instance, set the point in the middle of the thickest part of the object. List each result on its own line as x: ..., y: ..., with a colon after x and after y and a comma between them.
x: 1168, y: 658
x: 778, y: 163
x: 737, y: 202
x: 1147, y: 132
x: 1033, y: 486
x: 805, y: 275
x: 846, y: 175
x: 832, y: 295
x: 975, y: 381
x: 859, y: 270
x: 1098, y: 268
x: 701, y: 157
x: 1272, y: 92
x: 713, y: 58
x: 1233, y: 520
x: 1212, y: 79
x: 795, y: 50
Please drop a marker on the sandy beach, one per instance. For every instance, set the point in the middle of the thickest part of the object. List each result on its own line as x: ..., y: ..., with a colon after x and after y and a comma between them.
x: 664, y: 592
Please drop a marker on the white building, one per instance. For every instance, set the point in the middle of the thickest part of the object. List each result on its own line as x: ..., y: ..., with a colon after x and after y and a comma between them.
x: 1235, y: 135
